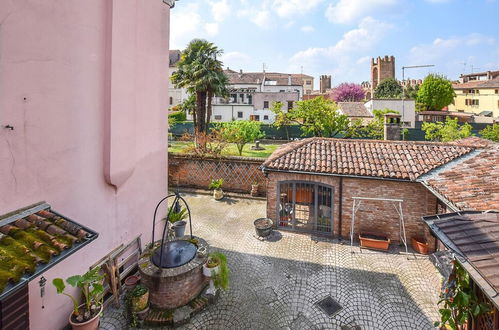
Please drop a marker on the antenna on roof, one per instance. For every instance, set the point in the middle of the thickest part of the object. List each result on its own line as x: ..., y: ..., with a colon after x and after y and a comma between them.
x: 263, y: 67
x: 301, y: 68
x: 473, y: 68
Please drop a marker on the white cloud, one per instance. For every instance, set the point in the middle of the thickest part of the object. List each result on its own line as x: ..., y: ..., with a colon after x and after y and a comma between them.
x: 340, y: 57
x: 262, y: 19
x: 307, y: 28
x: 440, y: 48
x: 348, y: 11
x: 236, y: 60
x: 211, y: 29
x: 185, y: 21
x: 220, y: 10
x: 289, y: 8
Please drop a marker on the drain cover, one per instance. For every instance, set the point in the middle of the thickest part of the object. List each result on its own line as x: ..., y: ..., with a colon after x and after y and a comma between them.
x: 329, y: 306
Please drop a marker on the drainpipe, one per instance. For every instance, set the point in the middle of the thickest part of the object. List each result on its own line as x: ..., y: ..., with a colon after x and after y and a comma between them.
x: 340, y: 211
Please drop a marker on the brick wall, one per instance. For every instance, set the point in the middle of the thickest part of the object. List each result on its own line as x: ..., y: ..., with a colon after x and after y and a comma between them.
x: 372, y: 216
x: 238, y: 173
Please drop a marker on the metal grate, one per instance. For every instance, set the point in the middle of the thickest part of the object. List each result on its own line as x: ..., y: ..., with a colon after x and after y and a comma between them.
x: 329, y: 306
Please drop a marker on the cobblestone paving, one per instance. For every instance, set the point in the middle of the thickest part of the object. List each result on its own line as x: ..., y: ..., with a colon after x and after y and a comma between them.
x: 276, y: 284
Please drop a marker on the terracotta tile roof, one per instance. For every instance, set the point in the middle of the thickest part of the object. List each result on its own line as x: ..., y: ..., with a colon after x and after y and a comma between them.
x: 475, y: 236
x: 473, y: 183
x: 354, y: 109
x: 33, y: 238
x: 406, y: 160
x: 491, y: 83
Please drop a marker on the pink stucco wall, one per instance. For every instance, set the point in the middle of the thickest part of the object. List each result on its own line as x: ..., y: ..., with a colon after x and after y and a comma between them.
x: 84, y: 83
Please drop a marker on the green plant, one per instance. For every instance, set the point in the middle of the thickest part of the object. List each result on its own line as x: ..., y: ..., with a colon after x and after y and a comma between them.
x: 491, y: 132
x: 221, y: 279
x: 435, y: 93
x: 174, y: 216
x: 216, y: 184
x: 90, y: 285
x: 388, y: 88
x: 445, y: 132
x: 240, y: 132
x: 459, y: 301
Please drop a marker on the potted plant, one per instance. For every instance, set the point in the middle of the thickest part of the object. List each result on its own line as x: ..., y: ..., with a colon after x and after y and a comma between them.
x: 374, y: 241
x: 263, y: 226
x: 139, y: 298
x: 254, y: 189
x: 216, y: 268
x: 419, y: 244
x: 216, y: 185
x: 84, y: 316
x: 177, y: 220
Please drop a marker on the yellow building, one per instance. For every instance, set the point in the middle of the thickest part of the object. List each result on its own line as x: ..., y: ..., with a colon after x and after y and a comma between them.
x: 480, y: 96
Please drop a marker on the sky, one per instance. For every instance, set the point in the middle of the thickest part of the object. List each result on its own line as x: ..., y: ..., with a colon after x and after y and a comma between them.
x: 340, y: 37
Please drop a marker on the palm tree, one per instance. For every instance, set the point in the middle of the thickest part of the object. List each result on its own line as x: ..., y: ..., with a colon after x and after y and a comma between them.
x: 202, y: 74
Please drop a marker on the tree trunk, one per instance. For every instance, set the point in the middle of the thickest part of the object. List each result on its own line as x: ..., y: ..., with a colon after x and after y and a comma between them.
x: 200, y: 123
x: 208, y: 108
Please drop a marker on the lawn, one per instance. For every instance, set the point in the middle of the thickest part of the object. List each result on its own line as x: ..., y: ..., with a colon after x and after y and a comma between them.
x: 179, y: 147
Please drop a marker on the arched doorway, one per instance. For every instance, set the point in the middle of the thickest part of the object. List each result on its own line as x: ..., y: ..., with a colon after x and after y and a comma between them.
x: 375, y: 77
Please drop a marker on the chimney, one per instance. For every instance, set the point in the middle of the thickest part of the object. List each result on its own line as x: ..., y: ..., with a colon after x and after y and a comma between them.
x: 241, y: 71
x: 392, y: 126
x: 289, y: 80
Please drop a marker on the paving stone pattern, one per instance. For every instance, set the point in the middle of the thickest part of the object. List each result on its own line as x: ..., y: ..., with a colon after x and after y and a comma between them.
x: 277, y: 283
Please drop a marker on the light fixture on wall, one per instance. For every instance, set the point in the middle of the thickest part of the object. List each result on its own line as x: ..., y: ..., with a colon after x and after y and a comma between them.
x: 170, y: 3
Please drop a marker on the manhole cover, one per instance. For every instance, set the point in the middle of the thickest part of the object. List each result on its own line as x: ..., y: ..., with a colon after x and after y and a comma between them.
x: 329, y: 306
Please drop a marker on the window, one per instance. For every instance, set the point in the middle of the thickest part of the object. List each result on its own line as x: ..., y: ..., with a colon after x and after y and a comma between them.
x: 265, y: 104
x: 218, y: 117
x: 305, y: 206
x: 242, y: 97
x: 239, y: 114
x: 171, y: 100
x: 255, y: 117
x: 472, y: 102
x: 308, y: 82
x: 233, y: 98
x: 496, y: 91
x: 250, y: 99
x: 266, y: 117
x: 281, y: 91
x: 290, y: 105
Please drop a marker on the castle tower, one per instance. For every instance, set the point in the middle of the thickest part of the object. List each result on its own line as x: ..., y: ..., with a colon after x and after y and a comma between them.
x: 325, y: 83
x: 381, y: 69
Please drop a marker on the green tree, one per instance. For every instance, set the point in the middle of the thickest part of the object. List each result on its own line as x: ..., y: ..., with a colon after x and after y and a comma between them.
x: 373, y: 130
x: 459, y: 301
x: 282, y: 118
x: 445, y: 132
x: 188, y: 106
x: 240, y: 132
x: 202, y: 74
x: 388, y: 88
x: 411, y: 92
x: 435, y: 93
x: 491, y: 132
x: 319, y: 117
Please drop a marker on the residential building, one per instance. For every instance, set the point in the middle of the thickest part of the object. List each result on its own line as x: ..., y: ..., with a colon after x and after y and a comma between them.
x: 477, y: 94
x: 175, y: 95
x: 406, y: 108
x: 355, y: 111
x: 253, y: 93
x: 84, y: 89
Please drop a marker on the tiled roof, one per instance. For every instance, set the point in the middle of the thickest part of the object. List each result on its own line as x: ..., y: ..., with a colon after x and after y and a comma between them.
x: 406, y: 160
x: 354, y: 109
x: 471, y: 184
x: 491, y: 83
x: 475, y: 236
x: 174, y: 56
x: 33, y: 239
x: 257, y: 77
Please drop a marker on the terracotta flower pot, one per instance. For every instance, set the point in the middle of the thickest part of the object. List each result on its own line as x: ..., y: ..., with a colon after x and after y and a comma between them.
x: 419, y: 245
x: 218, y: 194
x: 92, y: 324
x: 373, y: 241
x: 131, y: 282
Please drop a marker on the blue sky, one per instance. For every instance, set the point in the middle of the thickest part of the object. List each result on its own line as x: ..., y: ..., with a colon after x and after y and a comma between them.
x: 339, y: 37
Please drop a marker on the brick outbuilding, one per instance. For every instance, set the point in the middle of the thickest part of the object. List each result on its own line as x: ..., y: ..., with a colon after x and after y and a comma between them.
x: 311, y: 184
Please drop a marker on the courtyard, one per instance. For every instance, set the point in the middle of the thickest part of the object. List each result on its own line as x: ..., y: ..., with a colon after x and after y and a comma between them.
x: 277, y: 283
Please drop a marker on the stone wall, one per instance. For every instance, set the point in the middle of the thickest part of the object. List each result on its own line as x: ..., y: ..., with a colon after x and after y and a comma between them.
x: 239, y: 173
x: 372, y: 216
